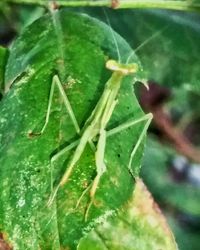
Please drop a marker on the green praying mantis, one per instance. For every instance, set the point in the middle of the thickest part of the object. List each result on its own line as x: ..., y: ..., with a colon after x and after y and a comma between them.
x: 94, y: 130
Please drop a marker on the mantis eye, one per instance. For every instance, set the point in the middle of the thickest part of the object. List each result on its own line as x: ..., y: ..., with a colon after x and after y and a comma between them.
x: 124, y: 69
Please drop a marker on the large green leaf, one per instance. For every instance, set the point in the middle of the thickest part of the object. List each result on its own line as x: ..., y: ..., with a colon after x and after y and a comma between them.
x: 77, y: 48
x: 139, y: 225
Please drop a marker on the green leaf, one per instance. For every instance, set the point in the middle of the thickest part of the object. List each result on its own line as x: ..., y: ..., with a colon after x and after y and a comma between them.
x: 76, y: 47
x: 3, y: 57
x: 139, y: 226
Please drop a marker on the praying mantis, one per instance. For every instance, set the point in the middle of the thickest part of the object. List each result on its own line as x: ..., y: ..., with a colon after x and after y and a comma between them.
x: 94, y: 130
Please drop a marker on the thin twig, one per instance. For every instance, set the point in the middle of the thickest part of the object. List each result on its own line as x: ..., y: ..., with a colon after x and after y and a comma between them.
x: 119, y: 4
x: 174, y: 135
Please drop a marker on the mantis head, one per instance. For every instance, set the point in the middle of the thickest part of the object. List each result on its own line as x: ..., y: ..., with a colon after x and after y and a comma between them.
x: 124, y: 69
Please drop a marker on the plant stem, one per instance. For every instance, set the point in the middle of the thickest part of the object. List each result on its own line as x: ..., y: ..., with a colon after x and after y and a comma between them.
x: 120, y: 4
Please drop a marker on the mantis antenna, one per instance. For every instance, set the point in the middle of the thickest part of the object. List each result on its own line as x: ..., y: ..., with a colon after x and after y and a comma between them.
x: 153, y: 36
x: 113, y: 34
